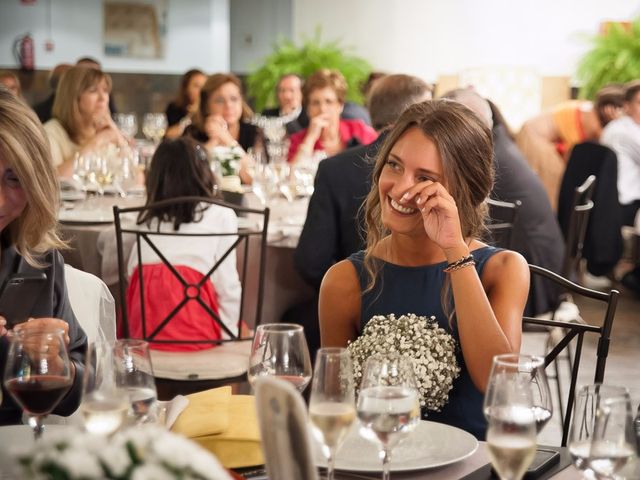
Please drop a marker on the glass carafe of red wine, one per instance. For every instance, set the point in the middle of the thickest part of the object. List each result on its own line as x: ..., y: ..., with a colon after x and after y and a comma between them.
x: 38, y: 372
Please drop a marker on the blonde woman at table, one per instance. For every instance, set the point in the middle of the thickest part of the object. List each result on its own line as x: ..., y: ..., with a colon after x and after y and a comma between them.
x: 424, y: 215
x: 180, y: 168
x: 28, y: 240
x: 81, y: 120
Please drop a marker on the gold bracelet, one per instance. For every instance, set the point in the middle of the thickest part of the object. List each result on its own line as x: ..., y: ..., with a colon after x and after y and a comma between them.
x: 465, y: 261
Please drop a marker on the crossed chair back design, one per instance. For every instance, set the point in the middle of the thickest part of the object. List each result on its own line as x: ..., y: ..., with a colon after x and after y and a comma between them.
x: 574, y: 330
x: 191, y: 292
x: 503, y: 216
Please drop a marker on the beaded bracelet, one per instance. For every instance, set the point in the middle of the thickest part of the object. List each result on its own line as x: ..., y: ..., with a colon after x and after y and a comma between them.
x: 465, y: 261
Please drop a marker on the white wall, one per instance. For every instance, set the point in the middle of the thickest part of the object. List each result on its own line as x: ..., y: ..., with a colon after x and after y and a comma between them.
x: 197, y: 35
x: 429, y: 38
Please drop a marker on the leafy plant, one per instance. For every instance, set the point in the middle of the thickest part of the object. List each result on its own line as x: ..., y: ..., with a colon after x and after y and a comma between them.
x: 312, y: 55
x: 615, y: 57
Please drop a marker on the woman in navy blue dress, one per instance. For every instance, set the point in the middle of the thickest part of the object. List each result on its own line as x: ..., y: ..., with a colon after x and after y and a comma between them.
x: 425, y: 214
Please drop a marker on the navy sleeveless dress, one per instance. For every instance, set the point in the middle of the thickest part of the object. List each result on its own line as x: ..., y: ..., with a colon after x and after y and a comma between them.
x: 402, y: 290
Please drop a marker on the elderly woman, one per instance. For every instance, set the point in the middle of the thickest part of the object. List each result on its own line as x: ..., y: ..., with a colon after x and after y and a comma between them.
x: 180, y: 112
x: 28, y: 240
x: 324, y: 96
x: 81, y: 119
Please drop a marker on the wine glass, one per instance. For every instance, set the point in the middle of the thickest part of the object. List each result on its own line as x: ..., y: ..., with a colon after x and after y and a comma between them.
x: 280, y: 349
x: 127, y: 123
x: 388, y: 405
x: 104, y: 407
x: 38, y: 372
x: 154, y: 126
x: 509, y: 408
x: 581, y: 435
x: 134, y: 374
x: 332, y: 405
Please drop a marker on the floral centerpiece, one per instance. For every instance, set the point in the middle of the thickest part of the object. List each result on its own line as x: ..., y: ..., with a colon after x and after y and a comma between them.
x: 141, y: 453
x: 431, y: 348
x: 228, y: 158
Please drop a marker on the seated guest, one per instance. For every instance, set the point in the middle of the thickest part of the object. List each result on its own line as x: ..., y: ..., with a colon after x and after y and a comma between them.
x: 81, y: 121
x: 91, y: 62
x: 28, y: 241
x: 333, y: 228
x: 547, y: 139
x: 289, y: 94
x: 536, y: 234
x: 11, y: 82
x: 180, y: 168
x: 424, y: 214
x: 324, y: 95
x: 43, y: 109
x: 623, y: 137
x: 181, y: 111
x: 223, y: 118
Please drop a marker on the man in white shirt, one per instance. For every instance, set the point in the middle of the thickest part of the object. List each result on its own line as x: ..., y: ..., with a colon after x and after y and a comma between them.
x: 623, y: 137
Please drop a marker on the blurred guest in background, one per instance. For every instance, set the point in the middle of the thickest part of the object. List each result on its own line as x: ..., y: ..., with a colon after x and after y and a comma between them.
x: 181, y: 111
x: 324, y: 97
x: 547, y: 139
x: 28, y: 241
x: 11, y: 82
x: 289, y: 93
x: 81, y: 121
x: 91, y: 62
x: 43, y: 109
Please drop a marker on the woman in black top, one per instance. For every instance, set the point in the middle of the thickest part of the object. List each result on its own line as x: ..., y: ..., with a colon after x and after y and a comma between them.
x: 180, y: 111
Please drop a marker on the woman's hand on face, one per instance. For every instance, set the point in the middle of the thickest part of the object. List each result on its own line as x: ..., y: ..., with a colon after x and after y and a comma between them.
x: 216, y: 129
x: 439, y: 213
x: 316, y: 126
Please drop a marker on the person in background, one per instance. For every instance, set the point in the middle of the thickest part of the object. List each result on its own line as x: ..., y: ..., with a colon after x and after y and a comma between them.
x: 324, y: 97
x: 11, y: 82
x: 536, y: 234
x: 623, y: 137
x: 180, y: 168
x: 289, y: 93
x: 81, y: 121
x: 29, y: 242
x: 91, y: 62
x: 546, y: 140
x: 180, y: 111
x: 43, y: 109
x: 424, y: 214
x: 334, y: 225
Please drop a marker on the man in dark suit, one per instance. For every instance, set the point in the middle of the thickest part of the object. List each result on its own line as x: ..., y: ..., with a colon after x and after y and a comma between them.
x: 334, y: 224
x: 43, y: 109
x: 289, y: 93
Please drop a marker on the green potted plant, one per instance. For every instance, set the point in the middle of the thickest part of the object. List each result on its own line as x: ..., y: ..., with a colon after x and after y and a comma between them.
x: 310, y: 56
x: 614, y: 58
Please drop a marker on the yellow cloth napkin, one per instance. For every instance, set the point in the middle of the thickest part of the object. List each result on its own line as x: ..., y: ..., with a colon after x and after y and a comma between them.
x: 228, y: 430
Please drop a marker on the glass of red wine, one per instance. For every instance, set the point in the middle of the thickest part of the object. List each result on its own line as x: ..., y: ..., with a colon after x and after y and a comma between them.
x: 38, y: 372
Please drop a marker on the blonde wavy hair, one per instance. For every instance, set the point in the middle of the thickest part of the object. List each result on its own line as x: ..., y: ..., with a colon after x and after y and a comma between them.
x: 24, y: 148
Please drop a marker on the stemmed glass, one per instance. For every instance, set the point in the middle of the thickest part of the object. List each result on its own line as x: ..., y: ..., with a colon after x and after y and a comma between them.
x: 280, y: 349
x: 154, y: 126
x: 511, y: 414
x: 134, y: 374
x: 589, y: 399
x: 127, y: 123
x: 332, y: 405
x: 104, y: 407
x: 388, y: 405
x: 38, y: 372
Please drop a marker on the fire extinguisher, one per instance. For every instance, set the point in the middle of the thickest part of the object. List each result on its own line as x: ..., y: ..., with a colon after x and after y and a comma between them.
x: 23, y: 51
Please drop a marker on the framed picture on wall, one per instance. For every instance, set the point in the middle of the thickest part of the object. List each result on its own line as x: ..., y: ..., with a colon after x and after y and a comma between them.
x: 135, y: 28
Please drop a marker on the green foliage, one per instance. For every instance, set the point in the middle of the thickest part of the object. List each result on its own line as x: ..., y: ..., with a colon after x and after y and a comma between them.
x: 304, y: 60
x: 615, y: 57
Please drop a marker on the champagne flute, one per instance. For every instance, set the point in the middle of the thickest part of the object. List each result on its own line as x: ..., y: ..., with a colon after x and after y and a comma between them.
x: 134, y: 374
x: 280, y: 349
x: 509, y: 408
x: 332, y: 405
x: 104, y: 407
x: 388, y: 405
x: 38, y: 372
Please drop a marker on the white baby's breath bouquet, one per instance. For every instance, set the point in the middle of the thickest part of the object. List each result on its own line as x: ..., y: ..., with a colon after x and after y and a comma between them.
x: 142, y: 453
x: 228, y: 158
x: 431, y: 348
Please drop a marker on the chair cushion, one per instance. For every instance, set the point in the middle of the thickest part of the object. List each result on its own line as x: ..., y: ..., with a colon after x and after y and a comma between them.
x: 228, y: 360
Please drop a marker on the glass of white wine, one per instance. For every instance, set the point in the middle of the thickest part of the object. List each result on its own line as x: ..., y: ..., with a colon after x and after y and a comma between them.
x: 127, y: 123
x: 332, y: 405
x: 104, y: 406
x: 388, y: 405
x: 154, y: 126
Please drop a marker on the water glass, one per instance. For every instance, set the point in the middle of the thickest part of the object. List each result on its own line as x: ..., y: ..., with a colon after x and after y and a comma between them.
x: 134, y: 374
x: 127, y: 123
x: 332, y: 404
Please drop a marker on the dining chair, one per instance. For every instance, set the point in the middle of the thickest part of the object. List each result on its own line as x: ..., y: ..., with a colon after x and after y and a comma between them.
x: 576, y: 330
x: 502, y: 218
x: 189, y: 371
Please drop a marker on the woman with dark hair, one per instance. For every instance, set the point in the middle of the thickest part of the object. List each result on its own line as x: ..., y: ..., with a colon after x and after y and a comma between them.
x: 424, y: 215
x: 180, y: 111
x: 180, y: 168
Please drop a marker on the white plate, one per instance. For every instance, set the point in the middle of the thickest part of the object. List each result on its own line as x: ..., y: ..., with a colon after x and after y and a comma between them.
x: 85, y: 216
x: 72, y: 195
x: 430, y: 445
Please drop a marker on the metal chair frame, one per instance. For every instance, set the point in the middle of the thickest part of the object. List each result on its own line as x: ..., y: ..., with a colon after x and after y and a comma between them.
x: 503, y: 218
